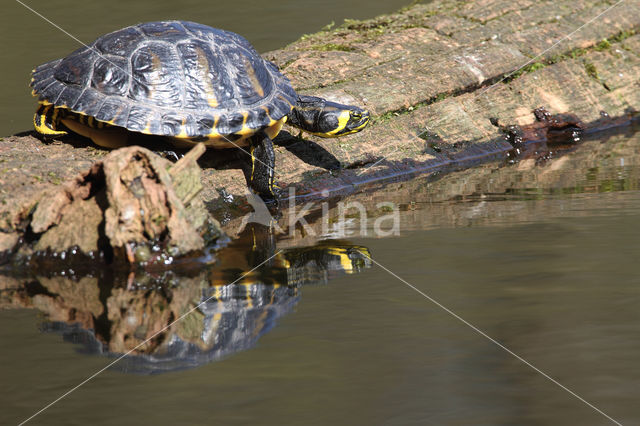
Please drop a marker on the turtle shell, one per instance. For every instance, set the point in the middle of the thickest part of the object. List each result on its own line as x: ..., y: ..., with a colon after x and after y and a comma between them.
x: 172, y: 78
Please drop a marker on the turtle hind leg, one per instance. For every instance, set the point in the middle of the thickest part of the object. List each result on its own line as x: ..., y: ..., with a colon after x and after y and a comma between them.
x: 46, y: 121
x: 258, y: 166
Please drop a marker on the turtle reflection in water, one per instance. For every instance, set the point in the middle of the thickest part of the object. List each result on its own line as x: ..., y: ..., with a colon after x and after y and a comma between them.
x: 265, y: 286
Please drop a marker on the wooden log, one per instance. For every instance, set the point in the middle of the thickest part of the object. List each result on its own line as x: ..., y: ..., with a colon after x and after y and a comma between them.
x: 443, y: 80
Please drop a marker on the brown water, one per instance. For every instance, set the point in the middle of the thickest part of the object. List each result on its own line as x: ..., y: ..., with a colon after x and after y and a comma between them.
x: 543, y: 258
x: 28, y: 40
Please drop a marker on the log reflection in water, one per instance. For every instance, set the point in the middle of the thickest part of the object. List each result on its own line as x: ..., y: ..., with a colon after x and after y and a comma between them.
x: 237, y: 302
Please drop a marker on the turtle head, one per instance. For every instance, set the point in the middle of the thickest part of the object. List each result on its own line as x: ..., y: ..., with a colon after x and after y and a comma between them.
x: 327, y: 119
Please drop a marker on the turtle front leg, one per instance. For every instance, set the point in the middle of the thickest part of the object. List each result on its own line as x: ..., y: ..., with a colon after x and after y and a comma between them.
x: 258, y: 167
x: 46, y: 121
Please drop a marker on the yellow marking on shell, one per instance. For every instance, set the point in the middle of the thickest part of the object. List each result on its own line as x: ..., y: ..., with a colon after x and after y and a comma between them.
x: 205, y: 77
x: 147, y: 128
x: 261, y: 321
x: 214, y: 133
x: 183, y: 130
x: 362, y: 250
x: 213, y: 139
x: 266, y: 109
x: 251, y: 73
x: 156, y: 63
x: 345, y: 262
x: 214, y: 325
x: 247, y: 282
x: 273, y: 129
x: 271, y: 120
x: 286, y: 100
x: 247, y: 285
x: 245, y: 131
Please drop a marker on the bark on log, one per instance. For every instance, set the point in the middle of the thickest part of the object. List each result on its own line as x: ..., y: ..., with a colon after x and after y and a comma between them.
x: 122, y: 206
x: 445, y: 81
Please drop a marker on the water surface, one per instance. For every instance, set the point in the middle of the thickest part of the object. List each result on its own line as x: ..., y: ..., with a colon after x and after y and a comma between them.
x: 543, y: 258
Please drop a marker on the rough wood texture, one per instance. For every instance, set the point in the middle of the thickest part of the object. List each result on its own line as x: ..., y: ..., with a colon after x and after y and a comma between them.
x: 432, y: 77
x: 124, y: 204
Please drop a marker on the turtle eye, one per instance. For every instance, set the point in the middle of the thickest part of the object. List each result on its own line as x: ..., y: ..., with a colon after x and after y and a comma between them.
x: 356, y: 115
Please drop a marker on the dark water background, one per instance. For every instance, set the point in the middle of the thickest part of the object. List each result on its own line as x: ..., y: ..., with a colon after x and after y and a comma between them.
x: 28, y: 40
x: 545, y: 259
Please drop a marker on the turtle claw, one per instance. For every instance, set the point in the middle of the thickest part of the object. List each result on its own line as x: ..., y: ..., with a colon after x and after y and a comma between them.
x: 170, y: 155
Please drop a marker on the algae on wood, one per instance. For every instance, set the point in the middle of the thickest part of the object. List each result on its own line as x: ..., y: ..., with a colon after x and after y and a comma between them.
x: 447, y: 72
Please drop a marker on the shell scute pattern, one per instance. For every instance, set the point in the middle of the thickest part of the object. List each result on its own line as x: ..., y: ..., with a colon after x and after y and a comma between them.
x: 171, y: 123
x: 110, y: 109
x: 69, y: 95
x: 205, y: 125
x: 169, y: 78
x: 252, y: 80
x: 205, y: 85
x: 71, y: 70
x: 120, y: 43
x: 139, y: 117
x: 168, y: 32
x: 157, y: 76
x: 89, y: 102
x: 217, y: 36
x: 230, y: 123
x: 110, y: 76
x: 190, y: 127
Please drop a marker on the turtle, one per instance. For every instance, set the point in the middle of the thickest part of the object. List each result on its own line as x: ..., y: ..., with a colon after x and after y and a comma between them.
x: 186, y: 82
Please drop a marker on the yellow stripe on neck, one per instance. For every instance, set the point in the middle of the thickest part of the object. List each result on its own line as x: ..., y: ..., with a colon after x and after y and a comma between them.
x: 343, y: 120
